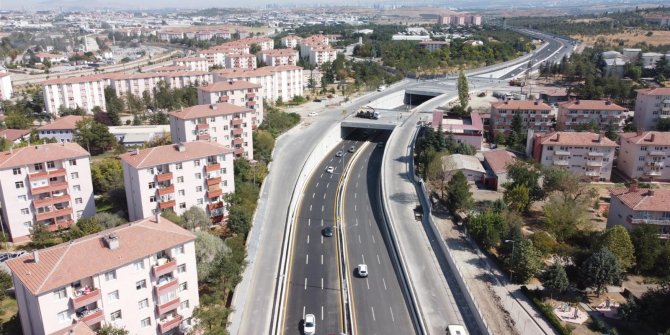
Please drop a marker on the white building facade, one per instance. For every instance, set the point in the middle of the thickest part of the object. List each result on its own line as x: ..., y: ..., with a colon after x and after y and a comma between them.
x: 651, y: 105
x: 85, y: 92
x: 645, y: 155
x: 583, y: 113
x: 239, y: 93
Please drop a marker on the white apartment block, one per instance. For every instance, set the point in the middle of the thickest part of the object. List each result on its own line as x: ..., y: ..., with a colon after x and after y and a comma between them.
x: 85, y: 92
x: 216, y: 56
x: 322, y: 54
x: 645, y: 155
x: 239, y: 93
x: 47, y: 184
x: 651, y: 105
x: 169, y: 35
x: 60, y: 129
x: 192, y: 63
x: 278, y: 57
x: 178, y: 177
x: 535, y: 115
x: 580, y: 113
x: 587, y: 155
x: 140, y: 276
x: 6, y: 88
x: 223, y: 123
x: 138, y: 83
x: 263, y: 42
x: 633, y: 206
x: 240, y: 61
x: 283, y: 82
x: 291, y: 41
x: 434, y: 45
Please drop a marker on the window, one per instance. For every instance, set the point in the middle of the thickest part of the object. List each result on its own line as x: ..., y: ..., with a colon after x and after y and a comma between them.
x: 60, y: 294
x: 182, y: 205
x: 223, y: 171
x: 145, y: 322
x: 199, y: 201
x: 113, y: 296
x: 181, y: 268
x: 152, y: 185
x: 142, y: 284
x: 115, y: 315
x: 16, y: 171
x: 198, y: 175
x: 18, y: 184
x: 196, y: 162
x: 152, y: 198
x: 78, y: 200
x: 180, y: 179
x: 139, y: 265
x: 198, y: 188
x: 142, y: 304
x: 25, y: 211
x: 178, y: 166
x: 22, y: 198
x: 171, y: 295
x: 74, y: 175
x: 73, y: 162
x: 63, y: 316
x: 183, y: 286
x: 179, y: 250
x: 184, y: 305
x: 28, y: 224
x: 76, y: 188
x: 181, y: 192
x: 110, y: 275
x: 51, y: 164
x: 38, y: 166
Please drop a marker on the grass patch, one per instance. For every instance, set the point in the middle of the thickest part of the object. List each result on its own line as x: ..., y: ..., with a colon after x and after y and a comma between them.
x: 102, y: 205
x: 9, y: 318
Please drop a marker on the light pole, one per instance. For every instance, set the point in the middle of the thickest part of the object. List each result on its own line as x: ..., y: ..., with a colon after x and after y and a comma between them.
x: 511, y: 272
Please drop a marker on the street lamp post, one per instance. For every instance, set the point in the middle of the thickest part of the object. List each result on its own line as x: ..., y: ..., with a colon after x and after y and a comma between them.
x: 511, y: 272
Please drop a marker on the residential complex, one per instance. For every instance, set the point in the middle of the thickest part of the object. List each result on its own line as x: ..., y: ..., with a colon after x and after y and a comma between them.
x: 6, y: 88
x: 535, y: 115
x: 587, y: 155
x: 138, y: 83
x: 192, y: 63
x: 581, y: 114
x: 651, y: 105
x: 291, y: 41
x: 460, y: 20
x: 60, y: 129
x: 278, y: 82
x: 318, y: 49
x: 434, y: 45
x: 223, y: 123
x: 278, y: 57
x: 177, y: 177
x: 631, y: 207
x: 645, y: 155
x: 46, y: 184
x: 240, y: 61
x: 139, y: 276
x: 239, y: 93
x: 85, y: 92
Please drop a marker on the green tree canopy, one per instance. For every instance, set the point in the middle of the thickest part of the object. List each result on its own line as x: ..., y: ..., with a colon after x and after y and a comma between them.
x: 487, y: 228
x: 107, y: 174
x: 601, y: 269
x: 525, y: 261
x: 555, y: 278
x: 463, y: 91
x: 617, y: 241
x: 208, y: 250
x: 94, y: 136
x: 647, y: 247
x: 563, y: 218
x: 195, y: 217
x: 459, y: 197
x: 517, y: 198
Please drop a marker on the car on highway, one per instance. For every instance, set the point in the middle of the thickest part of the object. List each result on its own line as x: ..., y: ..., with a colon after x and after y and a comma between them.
x: 330, y: 169
x: 339, y: 153
x: 456, y: 330
x: 362, y: 270
x: 352, y: 148
x: 328, y: 231
x: 310, y: 324
x: 313, y: 114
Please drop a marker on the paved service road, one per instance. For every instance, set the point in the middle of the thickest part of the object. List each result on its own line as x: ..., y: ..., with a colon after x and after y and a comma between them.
x: 314, y: 282
x: 378, y: 302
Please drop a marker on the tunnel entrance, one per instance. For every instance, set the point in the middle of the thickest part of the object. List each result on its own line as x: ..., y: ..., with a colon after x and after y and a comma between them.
x: 417, y: 97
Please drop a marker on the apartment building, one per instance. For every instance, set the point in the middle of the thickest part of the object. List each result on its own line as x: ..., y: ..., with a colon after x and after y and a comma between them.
x: 632, y: 207
x: 576, y: 114
x: 239, y: 93
x: 240, y: 61
x: 587, y: 155
x: 169, y: 35
x: 223, y: 123
x: 47, y: 184
x: 60, y: 129
x: 651, y: 105
x: 6, y: 88
x: 468, y: 130
x: 263, y: 42
x: 171, y: 68
x: 278, y: 57
x: 85, y: 92
x: 192, y: 63
x: 291, y: 41
x: 645, y: 155
x: 535, y: 115
x: 433, y: 45
x: 15, y: 136
x: 140, y: 276
x: 278, y: 82
x: 177, y: 177
x: 138, y: 83
x: 322, y: 54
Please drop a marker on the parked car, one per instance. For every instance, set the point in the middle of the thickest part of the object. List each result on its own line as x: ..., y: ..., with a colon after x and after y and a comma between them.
x: 310, y: 324
x: 313, y: 114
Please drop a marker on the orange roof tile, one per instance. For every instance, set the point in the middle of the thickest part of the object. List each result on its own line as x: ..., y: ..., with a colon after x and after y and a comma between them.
x: 41, y: 153
x: 655, y: 91
x: 591, y: 105
x: 79, y: 328
x: 520, y: 105
x: 199, y: 111
x: 229, y: 85
x: 68, y: 262
x: 14, y: 134
x: 643, y: 200
x: 167, y: 154
x: 577, y: 138
x: 499, y: 159
x: 65, y: 122
x: 648, y: 137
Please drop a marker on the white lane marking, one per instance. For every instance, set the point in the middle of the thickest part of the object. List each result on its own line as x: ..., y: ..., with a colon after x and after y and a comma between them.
x: 324, y: 196
x: 392, y: 317
x: 321, y: 261
x: 384, y: 282
x: 327, y: 184
x: 321, y: 313
x: 317, y: 184
x: 356, y: 184
x: 356, y: 221
x: 303, y: 312
x: 310, y: 208
x: 323, y: 207
x: 373, y: 239
x: 363, y: 259
x: 309, y: 222
x: 355, y: 207
x: 369, y: 223
x: 305, y: 283
x: 359, y: 239
x: 378, y: 261
x: 367, y: 282
x: 321, y: 243
x: 307, y: 259
x: 373, y: 313
x: 322, y: 283
x: 307, y: 239
x: 359, y: 175
x: 321, y: 176
x: 355, y: 195
x: 321, y: 222
x: 331, y: 176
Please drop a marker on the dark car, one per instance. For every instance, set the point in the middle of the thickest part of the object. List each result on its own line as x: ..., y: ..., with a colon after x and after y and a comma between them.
x: 339, y: 153
x: 327, y: 232
x: 352, y: 148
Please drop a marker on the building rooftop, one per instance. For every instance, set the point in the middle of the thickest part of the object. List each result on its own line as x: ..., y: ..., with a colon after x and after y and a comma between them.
x: 190, y: 59
x: 79, y: 328
x: 642, y: 199
x: 72, y: 80
x: 40, y: 154
x: 173, y: 153
x: 68, y: 262
x: 228, y: 85
x: 62, y: 123
x: 654, y: 91
x: 280, y: 52
x: 647, y: 137
x: 577, y: 139
x: 521, y: 105
x: 460, y: 162
x: 591, y: 105
x: 499, y: 159
x: 14, y: 134
x: 171, y: 68
x: 198, y: 111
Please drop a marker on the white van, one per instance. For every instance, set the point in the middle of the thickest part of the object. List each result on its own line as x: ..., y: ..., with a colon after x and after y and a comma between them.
x: 381, y: 88
x: 456, y: 330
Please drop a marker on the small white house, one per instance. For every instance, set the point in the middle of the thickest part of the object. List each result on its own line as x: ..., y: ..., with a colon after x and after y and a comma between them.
x: 470, y: 166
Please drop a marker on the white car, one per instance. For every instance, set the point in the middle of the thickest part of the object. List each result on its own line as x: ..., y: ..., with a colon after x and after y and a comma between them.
x: 313, y: 114
x: 362, y: 270
x: 310, y: 324
x: 330, y: 169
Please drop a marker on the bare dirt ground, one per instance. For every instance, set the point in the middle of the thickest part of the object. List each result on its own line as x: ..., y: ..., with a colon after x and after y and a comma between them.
x: 630, y: 37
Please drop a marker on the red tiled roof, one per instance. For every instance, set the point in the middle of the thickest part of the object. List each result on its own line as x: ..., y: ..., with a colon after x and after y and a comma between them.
x: 14, y: 134
x: 228, y: 85
x: 79, y: 328
x: 642, y: 199
x: 591, y: 105
x: 648, y: 137
x: 166, y: 154
x: 171, y: 68
x: 65, y: 263
x: 655, y: 91
x: 65, y: 122
x: 499, y: 159
x: 72, y: 80
x: 190, y: 59
x: 280, y: 52
x: 520, y: 105
x: 41, y: 153
x: 199, y: 111
x: 577, y: 138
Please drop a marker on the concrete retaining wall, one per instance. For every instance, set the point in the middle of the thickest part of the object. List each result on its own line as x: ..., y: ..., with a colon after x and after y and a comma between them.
x: 390, y: 101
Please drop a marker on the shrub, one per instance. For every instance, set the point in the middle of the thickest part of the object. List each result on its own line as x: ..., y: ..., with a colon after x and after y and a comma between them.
x: 546, y: 310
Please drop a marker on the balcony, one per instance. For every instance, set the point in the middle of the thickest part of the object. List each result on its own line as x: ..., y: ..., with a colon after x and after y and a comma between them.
x: 238, y: 141
x: 86, y: 298
x: 164, y: 176
x: 53, y: 214
x: 47, y: 174
x: 213, y: 181
x: 167, y: 204
x: 237, y: 131
x: 93, y: 317
x: 52, y: 187
x: 596, y: 154
x: 593, y: 173
x: 166, y: 286
x: 203, y: 137
x: 212, y: 167
x: 561, y: 162
x: 50, y: 201
x: 653, y: 173
x: 239, y: 151
x: 223, y: 98
x: 164, y: 266
x: 168, y: 306
x: 594, y: 163
x: 250, y: 95
x: 562, y: 153
x: 202, y: 126
x: 214, y: 193
x: 661, y: 222
x: 59, y: 225
x: 236, y: 121
x: 216, y: 205
x: 656, y: 153
x: 165, y: 190
x: 658, y: 164
x: 251, y: 103
x: 165, y: 325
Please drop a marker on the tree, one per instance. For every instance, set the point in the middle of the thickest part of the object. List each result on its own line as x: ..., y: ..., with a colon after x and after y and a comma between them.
x: 17, y: 120
x: 95, y: 224
x: 208, y: 250
x: 524, y: 261
x: 487, y: 228
x: 107, y: 174
x: 555, y: 278
x: 263, y: 145
x: 173, y: 217
x: 463, y: 93
x: 93, y: 136
x: 522, y: 173
x: 517, y: 198
x: 111, y: 330
x: 114, y: 106
x: 40, y: 236
x: 459, y: 197
x: 601, y: 269
x: 651, y: 309
x: 563, y: 218
x: 5, y: 283
x: 617, y: 241
x: 663, y: 124
x: 567, y: 184
x: 195, y: 217
x: 663, y: 262
x: 647, y: 247
x: 254, y: 48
